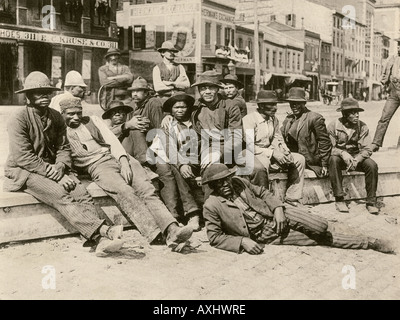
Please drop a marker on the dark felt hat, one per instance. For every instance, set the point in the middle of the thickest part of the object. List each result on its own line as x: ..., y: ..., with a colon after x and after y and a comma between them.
x: 266, y: 96
x: 349, y: 104
x: 215, y: 172
x: 297, y: 94
x: 139, y: 83
x: 168, y: 104
x: 233, y: 79
x: 210, y: 77
x: 116, y: 105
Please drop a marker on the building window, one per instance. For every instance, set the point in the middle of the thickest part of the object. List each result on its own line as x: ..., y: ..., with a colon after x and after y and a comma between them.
x: 208, y: 33
x: 288, y: 61
x: 227, y: 36
x: 293, y: 61
x: 233, y: 38
x: 160, y: 36
x: 101, y: 13
x: 298, y: 61
x: 139, y: 36
x: 260, y: 51
x: 267, y: 59
x: 72, y: 11
x: 250, y: 46
x: 291, y: 20
x: 240, y: 43
x: 219, y: 34
x: 40, y: 4
x: 333, y: 62
x: 280, y: 59
x: 274, y: 58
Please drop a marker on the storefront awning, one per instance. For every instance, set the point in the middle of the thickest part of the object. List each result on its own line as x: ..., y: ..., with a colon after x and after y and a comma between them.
x: 293, y: 77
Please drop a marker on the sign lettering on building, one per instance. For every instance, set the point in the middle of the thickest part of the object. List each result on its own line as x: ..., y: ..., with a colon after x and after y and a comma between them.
x: 56, y: 39
x: 155, y: 10
x: 217, y: 15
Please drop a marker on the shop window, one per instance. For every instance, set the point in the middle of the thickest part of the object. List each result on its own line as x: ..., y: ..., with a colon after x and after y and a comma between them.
x: 101, y: 13
x: 139, y: 37
x: 160, y: 36
x: 274, y: 59
x: 208, y: 34
x: 267, y: 59
x: 70, y: 60
x: 219, y: 34
x: 240, y: 42
x: 298, y: 61
x: 72, y: 11
x: 280, y: 59
x: 228, y: 36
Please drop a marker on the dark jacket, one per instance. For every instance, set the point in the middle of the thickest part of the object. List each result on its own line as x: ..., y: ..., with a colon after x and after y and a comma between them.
x: 33, y: 147
x: 312, y: 139
x: 226, y: 226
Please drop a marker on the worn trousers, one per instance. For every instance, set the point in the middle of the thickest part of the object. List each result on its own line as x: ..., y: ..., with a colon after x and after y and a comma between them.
x: 77, y: 206
x: 391, y: 106
x: 307, y: 229
x: 295, y: 183
x: 137, y: 201
x: 368, y: 166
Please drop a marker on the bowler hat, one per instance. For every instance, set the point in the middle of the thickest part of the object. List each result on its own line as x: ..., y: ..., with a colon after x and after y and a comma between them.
x: 349, y: 104
x: 266, y: 96
x: 233, y: 79
x: 37, y: 81
x: 167, y: 46
x: 72, y: 102
x: 210, y: 77
x: 297, y: 94
x: 115, y: 105
x: 215, y: 172
x: 112, y: 52
x: 139, y: 83
x: 168, y: 104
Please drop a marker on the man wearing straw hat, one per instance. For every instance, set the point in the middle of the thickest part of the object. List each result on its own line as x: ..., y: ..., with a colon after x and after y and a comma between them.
x: 232, y: 91
x: 74, y: 86
x: 169, y: 76
x: 39, y: 164
x: 351, y: 151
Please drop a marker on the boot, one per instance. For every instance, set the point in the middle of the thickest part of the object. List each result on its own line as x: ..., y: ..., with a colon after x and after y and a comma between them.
x: 381, y: 246
x: 177, y: 235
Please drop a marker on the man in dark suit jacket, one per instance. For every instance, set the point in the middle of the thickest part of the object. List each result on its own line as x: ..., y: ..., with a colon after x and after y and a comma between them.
x: 305, y: 132
x: 241, y: 217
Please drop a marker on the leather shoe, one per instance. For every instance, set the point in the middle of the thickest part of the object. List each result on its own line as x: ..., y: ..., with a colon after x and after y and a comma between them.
x: 178, y: 235
x: 372, y: 209
x: 381, y: 246
x: 106, y: 246
x: 341, y: 206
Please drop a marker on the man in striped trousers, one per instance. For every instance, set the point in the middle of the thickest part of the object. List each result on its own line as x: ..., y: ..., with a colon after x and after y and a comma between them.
x: 241, y: 217
x: 39, y: 163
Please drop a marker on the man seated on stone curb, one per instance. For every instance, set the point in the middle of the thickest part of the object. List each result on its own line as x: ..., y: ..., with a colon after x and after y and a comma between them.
x: 147, y: 115
x: 232, y: 87
x: 178, y: 146
x: 305, y: 132
x: 351, y: 151
x: 218, y: 120
x: 269, y: 147
x: 39, y: 163
x: 241, y: 217
x: 97, y: 152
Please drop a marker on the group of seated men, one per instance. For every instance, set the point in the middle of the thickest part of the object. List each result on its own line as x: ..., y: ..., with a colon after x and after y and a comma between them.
x: 156, y: 147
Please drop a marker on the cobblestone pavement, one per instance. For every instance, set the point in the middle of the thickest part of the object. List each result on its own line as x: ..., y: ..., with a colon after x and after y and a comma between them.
x: 204, y: 273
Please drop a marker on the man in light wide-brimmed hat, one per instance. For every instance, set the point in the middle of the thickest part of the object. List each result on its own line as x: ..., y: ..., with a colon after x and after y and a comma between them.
x: 168, y: 76
x: 74, y: 86
x: 39, y: 163
x: 351, y: 151
x: 304, y: 132
x: 220, y: 120
x: 232, y: 91
x: 270, y: 148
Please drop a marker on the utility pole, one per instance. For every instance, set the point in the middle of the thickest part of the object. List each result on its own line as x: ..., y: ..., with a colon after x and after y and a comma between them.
x: 257, y: 75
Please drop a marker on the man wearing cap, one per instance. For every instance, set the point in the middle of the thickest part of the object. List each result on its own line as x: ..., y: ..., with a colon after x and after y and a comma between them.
x: 305, y: 132
x: 351, y: 151
x: 97, y: 152
x: 169, y: 76
x: 39, y: 163
x: 178, y: 147
x: 269, y: 147
x: 219, y: 120
x: 74, y: 86
x: 390, y: 78
x: 232, y: 87
x: 147, y: 115
x: 115, y: 77
x: 241, y: 217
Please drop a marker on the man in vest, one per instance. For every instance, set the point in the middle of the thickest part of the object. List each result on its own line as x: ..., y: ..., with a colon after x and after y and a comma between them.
x: 169, y: 76
x: 74, y: 86
x: 39, y: 163
x: 391, y: 78
x: 97, y: 152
